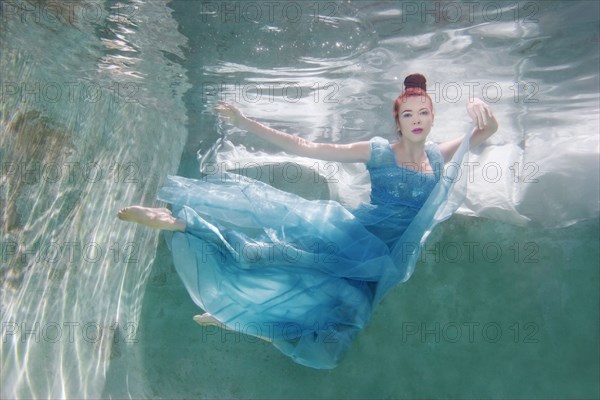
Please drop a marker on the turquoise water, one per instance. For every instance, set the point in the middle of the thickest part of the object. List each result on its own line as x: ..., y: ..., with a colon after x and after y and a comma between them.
x: 504, y: 302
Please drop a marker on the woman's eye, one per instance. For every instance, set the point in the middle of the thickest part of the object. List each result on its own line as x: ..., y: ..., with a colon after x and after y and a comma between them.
x: 424, y: 112
x: 407, y: 115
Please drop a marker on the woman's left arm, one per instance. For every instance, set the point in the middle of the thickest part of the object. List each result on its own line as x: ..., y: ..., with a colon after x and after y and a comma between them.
x: 485, y: 126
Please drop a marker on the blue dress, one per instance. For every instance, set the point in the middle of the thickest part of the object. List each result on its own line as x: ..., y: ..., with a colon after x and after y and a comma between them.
x: 304, y: 274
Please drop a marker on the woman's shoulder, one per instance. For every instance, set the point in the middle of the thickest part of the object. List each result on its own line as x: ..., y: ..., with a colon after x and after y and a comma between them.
x: 433, y: 149
x: 381, y: 153
x: 379, y: 140
x: 379, y: 143
x: 436, y: 158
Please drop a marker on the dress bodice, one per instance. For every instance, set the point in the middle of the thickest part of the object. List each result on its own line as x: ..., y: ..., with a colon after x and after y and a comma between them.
x: 395, y: 185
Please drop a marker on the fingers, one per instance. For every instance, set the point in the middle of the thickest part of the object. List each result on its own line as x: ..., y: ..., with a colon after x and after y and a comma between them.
x: 473, y: 113
x: 480, y: 113
x: 226, y: 107
x: 481, y: 117
x: 228, y: 112
x: 484, y: 120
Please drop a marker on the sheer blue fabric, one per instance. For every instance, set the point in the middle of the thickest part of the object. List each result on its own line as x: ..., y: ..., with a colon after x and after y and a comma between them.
x: 304, y: 274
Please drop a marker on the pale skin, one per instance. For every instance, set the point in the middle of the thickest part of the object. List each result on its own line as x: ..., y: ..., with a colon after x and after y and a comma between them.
x: 415, y: 120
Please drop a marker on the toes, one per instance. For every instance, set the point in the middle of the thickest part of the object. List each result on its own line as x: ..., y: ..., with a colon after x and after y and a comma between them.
x: 205, y: 319
x: 124, y: 213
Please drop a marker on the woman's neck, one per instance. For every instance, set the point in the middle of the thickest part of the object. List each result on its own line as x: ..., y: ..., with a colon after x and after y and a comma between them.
x: 410, y: 152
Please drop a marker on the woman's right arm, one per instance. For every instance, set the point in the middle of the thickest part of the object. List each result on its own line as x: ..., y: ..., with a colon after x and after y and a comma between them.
x: 353, y: 152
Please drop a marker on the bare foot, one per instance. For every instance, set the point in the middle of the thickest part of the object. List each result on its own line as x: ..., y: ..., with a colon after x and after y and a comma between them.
x: 207, y: 319
x: 159, y: 218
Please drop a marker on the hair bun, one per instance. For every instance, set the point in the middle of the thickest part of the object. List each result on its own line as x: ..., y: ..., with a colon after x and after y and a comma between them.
x: 415, y: 81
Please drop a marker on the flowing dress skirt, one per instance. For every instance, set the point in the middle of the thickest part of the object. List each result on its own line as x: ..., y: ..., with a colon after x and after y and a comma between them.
x: 304, y: 274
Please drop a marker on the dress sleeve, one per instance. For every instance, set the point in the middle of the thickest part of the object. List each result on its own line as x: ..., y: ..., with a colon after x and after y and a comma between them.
x: 436, y: 158
x: 379, y: 147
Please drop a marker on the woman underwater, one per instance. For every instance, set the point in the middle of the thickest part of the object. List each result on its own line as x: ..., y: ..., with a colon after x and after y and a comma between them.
x: 313, y: 297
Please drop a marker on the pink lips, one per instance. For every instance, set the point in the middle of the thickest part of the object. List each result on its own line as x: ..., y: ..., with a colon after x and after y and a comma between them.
x: 417, y: 130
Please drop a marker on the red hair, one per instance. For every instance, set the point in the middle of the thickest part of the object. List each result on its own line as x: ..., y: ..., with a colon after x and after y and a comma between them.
x: 415, y: 85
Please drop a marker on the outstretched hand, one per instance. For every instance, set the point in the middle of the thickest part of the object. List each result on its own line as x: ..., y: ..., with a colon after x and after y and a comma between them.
x: 480, y: 113
x: 229, y: 113
x: 485, y: 122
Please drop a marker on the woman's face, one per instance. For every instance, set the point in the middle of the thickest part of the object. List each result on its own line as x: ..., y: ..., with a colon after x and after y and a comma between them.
x: 415, y: 118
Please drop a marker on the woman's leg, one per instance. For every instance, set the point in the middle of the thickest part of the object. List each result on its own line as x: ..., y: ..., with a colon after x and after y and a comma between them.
x: 158, y: 218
